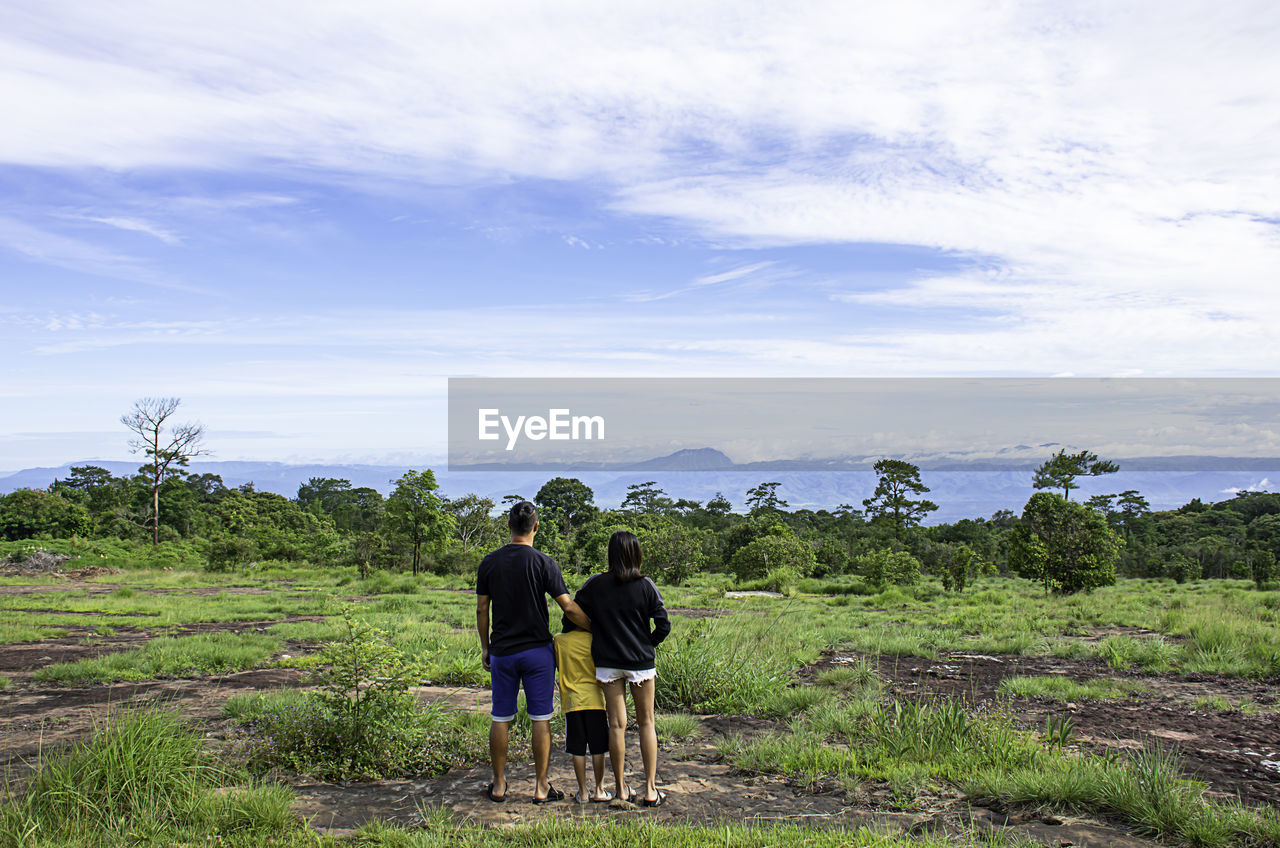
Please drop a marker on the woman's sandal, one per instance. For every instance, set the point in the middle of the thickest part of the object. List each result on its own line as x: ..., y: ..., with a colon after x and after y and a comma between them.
x: 553, y: 794
x: 655, y: 802
x: 497, y: 799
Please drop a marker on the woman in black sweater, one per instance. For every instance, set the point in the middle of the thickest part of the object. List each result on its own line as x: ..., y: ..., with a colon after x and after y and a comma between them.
x: 620, y: 604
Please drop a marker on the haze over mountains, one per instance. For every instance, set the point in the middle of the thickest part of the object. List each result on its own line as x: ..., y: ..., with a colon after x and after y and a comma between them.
x: 961, y: 489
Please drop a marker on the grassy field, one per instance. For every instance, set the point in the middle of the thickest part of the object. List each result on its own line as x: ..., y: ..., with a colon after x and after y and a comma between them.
x: 884, y: 695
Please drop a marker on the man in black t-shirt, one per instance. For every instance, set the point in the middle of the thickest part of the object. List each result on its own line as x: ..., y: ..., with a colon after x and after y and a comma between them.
x: 514, y: 581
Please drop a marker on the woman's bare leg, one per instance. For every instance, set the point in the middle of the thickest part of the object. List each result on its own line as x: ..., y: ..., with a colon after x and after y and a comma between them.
x: 615, y: 703
x: 643, y: 693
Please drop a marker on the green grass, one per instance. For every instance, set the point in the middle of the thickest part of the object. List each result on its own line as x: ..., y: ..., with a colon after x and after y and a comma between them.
x: 908, y: 744
x: 676, y: 726
x: 857, y: 675
x: 724, y: 665
x: 247, y: 707
x: 442, y: 830
x: 1061, y: 688
x: 207, y: 653
x: 144, y: 778
x: 21, y: 630
x: 916, y: 747
x: 1147, y: 789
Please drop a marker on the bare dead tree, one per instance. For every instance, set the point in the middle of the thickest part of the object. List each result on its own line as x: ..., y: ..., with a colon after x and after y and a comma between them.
x: 166, y: 451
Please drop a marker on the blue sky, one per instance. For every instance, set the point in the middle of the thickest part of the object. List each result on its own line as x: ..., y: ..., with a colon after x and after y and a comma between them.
x: 303, y: 218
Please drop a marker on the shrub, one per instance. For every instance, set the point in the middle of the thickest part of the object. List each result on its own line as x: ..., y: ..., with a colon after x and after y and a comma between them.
x: 363, y: 722
x: 884, y: 566
x: 227, y: 553
x: 770, y: 553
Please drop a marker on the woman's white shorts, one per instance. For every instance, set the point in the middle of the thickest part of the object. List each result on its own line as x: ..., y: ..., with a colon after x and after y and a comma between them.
x: 607, y: 675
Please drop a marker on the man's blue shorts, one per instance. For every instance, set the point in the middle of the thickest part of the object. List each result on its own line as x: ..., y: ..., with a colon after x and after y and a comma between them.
x: 536, y: 669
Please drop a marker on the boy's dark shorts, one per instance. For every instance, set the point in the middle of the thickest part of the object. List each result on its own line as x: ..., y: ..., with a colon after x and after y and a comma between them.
x: 586, y: 730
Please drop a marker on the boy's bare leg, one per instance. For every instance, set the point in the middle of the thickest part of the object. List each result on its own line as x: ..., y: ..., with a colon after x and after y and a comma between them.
x: 642, y: 694
x: 597, y: 767
x: 499, y: 737
x: 615, y: 702
x: 580, y: 772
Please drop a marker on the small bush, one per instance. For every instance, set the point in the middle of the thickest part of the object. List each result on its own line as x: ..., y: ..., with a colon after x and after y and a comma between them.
x: 885, y: 567
x: 364, y: 722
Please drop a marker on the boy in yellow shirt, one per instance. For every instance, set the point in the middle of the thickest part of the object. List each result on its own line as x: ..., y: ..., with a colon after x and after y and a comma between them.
x: 582, y: 701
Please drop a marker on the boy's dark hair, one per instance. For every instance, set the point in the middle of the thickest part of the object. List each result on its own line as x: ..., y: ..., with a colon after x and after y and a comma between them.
x: 522, y: 518
x: 624, y: 556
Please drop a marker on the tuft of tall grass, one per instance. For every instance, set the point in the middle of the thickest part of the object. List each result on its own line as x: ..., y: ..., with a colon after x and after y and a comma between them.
x: 676, y: 726
x: 1062, y: 688
x: 143, y: 778
x: 720, y: 665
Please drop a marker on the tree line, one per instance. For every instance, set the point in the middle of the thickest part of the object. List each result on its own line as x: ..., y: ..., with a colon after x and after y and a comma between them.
x: 1064, y: 544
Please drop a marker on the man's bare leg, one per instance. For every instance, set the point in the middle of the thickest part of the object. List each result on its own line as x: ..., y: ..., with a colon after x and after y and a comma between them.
x: 499, y: 738
x: 541, y: 756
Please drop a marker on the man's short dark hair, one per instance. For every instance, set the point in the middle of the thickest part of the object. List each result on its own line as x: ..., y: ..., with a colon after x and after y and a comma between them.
x: 523, y: 517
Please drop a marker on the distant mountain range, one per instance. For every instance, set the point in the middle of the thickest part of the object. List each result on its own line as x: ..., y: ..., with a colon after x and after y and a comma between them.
x: 961, y: 489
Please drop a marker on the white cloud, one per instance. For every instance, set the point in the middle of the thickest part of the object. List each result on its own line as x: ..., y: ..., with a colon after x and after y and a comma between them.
x: 1110, y: 169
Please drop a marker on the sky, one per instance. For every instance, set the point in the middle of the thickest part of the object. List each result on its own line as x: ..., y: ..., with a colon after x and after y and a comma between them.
x: 303, y: 218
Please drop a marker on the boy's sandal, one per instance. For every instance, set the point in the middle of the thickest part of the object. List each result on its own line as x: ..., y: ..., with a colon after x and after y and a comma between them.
x: 553, y: 794
x: 497, y: 799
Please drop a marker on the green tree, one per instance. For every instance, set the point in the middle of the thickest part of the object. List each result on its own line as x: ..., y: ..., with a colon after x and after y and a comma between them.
x: 94, y: 488
x: 768, y: 554
x: 1133, y: 509
x: 1061, y: 470
x: 884, y: 566
x: 324, y: 495
x: 646, y: 499
x: 28, y: 513
x: 764, y: 498
x: 673, y: 552
x: 891, y: 502
x: 473, y: 526
x: 166, y: 451
x: 417, y: 513
x: 961, y: 566
x: 566, y: 500
x: 1065, y: 546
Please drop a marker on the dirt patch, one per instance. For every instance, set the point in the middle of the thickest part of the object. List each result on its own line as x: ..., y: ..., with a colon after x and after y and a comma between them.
x: 700, y: 788
x: 1227, y: 750
x: 37, y: 719
x: 690, y: 612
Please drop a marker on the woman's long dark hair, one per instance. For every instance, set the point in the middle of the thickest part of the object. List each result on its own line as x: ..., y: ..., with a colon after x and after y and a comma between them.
x: 624, y: 556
